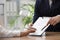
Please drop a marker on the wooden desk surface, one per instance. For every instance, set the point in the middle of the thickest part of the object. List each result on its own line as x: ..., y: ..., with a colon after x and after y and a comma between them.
x: 49, y: 36
x: 15, y: 38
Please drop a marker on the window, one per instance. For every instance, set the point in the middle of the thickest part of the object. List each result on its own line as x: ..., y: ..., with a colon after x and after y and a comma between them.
x: 1, y: 14
x: 12, y: 14
x: 18, y: 13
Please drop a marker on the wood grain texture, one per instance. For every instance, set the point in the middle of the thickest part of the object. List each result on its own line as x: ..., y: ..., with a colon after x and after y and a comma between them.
x: 49, y: 36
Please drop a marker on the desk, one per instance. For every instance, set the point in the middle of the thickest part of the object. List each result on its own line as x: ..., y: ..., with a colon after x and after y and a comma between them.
x: 15, y: 38
x: 49, y: 36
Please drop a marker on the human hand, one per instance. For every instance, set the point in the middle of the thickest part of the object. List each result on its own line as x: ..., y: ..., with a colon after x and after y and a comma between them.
x: 30, y: 25
x: 26, y: 32
x: 54, y: 20
x: 31, y: 28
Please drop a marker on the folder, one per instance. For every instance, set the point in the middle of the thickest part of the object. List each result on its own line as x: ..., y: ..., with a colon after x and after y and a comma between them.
x: 40, y: 25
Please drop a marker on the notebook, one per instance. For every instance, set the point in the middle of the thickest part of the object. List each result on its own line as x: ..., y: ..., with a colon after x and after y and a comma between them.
x: 40, y: 25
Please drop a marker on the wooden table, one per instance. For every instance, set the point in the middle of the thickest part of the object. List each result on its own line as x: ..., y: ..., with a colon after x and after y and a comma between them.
x: 49, y: 36
x: 15, y: 38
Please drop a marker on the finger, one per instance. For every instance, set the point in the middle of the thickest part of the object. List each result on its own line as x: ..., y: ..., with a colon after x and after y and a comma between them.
x: 30, y: 25
x: 52, y: 22
x: 55, y: 23
x: 48, y: 22
x: 32, y: 30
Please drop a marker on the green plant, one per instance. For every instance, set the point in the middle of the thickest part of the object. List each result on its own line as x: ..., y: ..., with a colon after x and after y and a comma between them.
x: 30, y: 8
x: 27, y: 20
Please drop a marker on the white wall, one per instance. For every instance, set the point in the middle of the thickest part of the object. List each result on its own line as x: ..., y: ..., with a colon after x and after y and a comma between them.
x: 2, y: 1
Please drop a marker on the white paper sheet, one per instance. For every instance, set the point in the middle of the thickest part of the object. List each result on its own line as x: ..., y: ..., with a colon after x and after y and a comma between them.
x: 40, y: 25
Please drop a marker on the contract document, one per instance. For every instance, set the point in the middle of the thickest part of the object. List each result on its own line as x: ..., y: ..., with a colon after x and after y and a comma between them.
x: 40, y: 25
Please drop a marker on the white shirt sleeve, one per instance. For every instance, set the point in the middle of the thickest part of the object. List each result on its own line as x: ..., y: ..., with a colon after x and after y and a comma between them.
x: 8, y: 33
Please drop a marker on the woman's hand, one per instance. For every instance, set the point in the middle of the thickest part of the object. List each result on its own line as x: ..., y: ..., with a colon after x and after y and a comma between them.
x: 54, y: 20
x: 29, y: 30
x: 25, y: 33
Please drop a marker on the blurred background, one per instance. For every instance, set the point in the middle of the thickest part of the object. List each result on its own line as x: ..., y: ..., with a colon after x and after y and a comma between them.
x: 16, y: 14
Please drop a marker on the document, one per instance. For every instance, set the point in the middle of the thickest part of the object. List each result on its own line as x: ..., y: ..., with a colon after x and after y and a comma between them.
x: 40, y: 25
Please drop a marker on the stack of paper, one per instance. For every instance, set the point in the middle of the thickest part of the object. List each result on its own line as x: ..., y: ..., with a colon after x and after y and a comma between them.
x: 40, y: 25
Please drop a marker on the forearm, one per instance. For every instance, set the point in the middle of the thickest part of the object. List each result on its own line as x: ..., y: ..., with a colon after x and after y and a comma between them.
x: 7, y: 33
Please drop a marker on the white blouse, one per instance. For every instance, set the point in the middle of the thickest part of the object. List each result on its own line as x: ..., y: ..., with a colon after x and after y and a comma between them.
x: 8, y: 33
